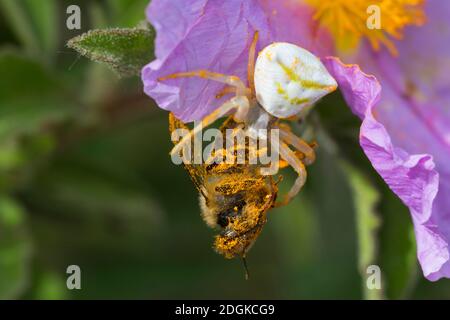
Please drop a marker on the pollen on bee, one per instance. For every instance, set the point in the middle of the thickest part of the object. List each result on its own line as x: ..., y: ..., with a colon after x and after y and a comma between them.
x: 225, y: 245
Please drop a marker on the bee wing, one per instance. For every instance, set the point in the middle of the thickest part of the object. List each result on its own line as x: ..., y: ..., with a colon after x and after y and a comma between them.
x: 197, y: 172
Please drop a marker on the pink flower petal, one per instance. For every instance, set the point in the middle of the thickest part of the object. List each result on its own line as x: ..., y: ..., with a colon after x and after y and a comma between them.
x: 412, y: 177
x: 414, y: 109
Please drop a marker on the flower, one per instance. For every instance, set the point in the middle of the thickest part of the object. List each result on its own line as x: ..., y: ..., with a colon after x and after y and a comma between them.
x: 405, y: 129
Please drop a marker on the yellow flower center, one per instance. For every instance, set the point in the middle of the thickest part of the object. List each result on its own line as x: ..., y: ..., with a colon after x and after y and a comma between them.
x: 379, y: 21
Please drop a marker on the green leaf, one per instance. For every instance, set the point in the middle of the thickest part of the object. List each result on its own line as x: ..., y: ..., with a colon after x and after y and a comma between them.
x: 365, y: 198
x: 124, y: 50
x: 100, y: 81
x: 15, y: 249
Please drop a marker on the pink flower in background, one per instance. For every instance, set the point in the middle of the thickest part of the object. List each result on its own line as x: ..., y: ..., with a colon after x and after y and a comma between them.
x: 405, y: 129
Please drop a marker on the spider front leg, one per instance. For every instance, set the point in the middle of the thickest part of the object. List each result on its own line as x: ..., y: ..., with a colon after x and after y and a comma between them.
x: 251, y: 62
x: 298, y: 143
x: 238, y: 103
x: 233, y: 81
x: 291, y: 158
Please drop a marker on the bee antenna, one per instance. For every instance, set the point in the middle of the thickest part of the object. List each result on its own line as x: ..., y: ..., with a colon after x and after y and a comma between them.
x: 244, y: 263
x: 280, y: 178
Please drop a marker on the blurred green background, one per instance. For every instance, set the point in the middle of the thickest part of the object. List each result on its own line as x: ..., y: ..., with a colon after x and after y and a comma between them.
x: 85, y: 179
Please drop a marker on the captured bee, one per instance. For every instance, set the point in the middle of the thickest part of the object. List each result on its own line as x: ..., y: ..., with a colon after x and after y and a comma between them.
x: 283, y: 84
x: 234, y: 197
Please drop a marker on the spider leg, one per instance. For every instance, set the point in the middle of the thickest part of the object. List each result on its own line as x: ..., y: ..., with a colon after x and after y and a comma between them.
x: 233, y: 81
x: 251, y: 62
x: 239, y: 103
x: 226, y: 90
x: 290, y: 157
x: 299, y: 144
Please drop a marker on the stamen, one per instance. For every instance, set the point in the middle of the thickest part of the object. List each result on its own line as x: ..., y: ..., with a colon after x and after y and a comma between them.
x: 347, y: 20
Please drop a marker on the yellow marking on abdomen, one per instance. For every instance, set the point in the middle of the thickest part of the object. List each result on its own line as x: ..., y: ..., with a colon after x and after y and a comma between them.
x: 285, y: 96
x: 308, y: 84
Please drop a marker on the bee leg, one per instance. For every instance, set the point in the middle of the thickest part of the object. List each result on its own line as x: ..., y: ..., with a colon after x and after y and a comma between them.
x: 241, y: 89
x: 299, y: 144
x: 290, y: 157
x: 251, y: 62
x: 239, y: 103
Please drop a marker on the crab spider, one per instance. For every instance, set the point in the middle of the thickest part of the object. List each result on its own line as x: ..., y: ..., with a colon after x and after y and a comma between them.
x: 285, y: 82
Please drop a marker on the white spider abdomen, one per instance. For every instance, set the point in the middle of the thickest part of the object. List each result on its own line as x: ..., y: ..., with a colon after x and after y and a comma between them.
x: 289, y: 79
